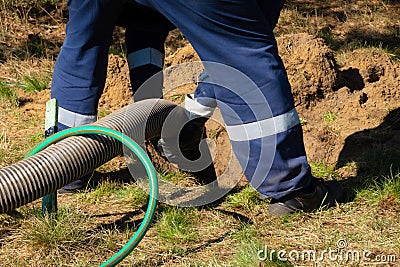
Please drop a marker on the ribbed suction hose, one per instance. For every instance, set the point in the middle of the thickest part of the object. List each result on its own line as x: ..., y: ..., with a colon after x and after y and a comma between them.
x: 74, y: 157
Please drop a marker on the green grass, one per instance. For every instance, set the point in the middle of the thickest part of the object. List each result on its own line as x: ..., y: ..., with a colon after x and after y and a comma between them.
x: 12, y: 150
x: 175, y: 178
x: 247, y: 198
x: 211, y: 262
x: 103, y: 113
x: 63, y: 231
x: 179, y: 98
x: 177, y: 225
x: 384, y: 188
x: 8, y: 94
x: 303, y: 121
x: 329, y: 116
x: 377, y: 160
x: 252, y: 251
x: 68, y: 238
x: 35, y: 84
x: 36, y: 138
x: 92, y: 226
x: 330, y: 39
x: 323, y: 170
x: 132, y: 194
x: 103, y: 190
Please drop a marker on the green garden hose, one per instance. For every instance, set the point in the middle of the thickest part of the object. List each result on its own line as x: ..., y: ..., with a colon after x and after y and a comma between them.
x: 144, y: 159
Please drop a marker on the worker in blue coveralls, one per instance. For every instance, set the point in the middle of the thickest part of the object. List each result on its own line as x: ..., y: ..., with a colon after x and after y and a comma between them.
x: 80, y: 72
x: 246, y: 79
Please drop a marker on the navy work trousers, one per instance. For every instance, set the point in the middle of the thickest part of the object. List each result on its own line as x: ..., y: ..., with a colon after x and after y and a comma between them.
x: 246, y: 78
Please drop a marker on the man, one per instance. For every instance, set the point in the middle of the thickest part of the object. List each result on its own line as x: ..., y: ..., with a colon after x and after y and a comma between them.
x: 245, y: 77
x: 260, y: 113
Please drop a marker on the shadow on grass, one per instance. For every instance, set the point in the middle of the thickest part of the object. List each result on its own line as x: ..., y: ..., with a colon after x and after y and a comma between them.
x: 129, y: 220
x: 357, y: 38
x: 124, y: 176
x: 339, y: 12
x: 121, y: 176
x: 376, y: 153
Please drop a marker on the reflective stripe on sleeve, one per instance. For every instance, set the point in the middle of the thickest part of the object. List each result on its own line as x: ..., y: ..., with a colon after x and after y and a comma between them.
x: 146, y: 56
x: 72, y: 119
x: 263, y: 128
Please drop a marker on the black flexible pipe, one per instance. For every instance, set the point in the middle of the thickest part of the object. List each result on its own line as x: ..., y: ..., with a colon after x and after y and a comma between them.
x: 72, y: 158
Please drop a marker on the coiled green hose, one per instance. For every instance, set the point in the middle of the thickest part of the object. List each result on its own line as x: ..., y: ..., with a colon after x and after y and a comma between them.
x: 144, y: 159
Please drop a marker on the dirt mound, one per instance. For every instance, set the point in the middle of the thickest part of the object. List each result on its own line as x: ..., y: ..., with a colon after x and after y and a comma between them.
x: 310, y: 65
x: 182, y: 55
x: 117, y: 92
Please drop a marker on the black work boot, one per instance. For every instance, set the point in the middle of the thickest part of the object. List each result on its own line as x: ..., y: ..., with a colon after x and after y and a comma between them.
x: 190, y: 137
x: 189, y: 141
x: 76, y: 186
x: 326, y: 194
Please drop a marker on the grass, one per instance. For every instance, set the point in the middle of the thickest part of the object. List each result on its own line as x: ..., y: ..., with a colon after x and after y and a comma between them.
x: 175, y: 178
x: 252, y: 251
x: 329, y: 116
x: 247, y: 199
x: 323, y: 170
x: 103, y: 113
x: 130, y: 194
x: 5, y: 142
x: 103, y: 190
x: 176, y: 225
x: 387, y: 188
x: 35, y: 84
x: 12, y: 149
x: 303, y: 121
x: 36, y: 138
x: 8, y: 94
x: 178, y: 98
x: 378, y: 160
x: 63, y: 231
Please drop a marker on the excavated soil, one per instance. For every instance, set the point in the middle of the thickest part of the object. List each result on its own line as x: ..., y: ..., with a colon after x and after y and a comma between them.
x: 117, y: 93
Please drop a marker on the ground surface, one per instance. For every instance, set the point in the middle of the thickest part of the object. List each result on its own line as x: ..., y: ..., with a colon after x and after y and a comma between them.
x: 342, y: 59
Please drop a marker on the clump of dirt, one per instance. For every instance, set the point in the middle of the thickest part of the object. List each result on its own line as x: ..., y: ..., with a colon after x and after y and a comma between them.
x: 117, y: 91
x: 380, y: 75
x: 182, y: 55
x: 366, y: 93
x: 310, y: 65
x: 182, y: 69
x: 174, y: 41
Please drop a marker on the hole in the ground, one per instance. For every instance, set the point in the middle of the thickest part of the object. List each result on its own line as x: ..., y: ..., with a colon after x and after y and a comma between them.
x: 350, y: 78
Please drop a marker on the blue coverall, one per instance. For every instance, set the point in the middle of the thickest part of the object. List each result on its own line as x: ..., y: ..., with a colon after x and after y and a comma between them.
x: 239, y: 35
